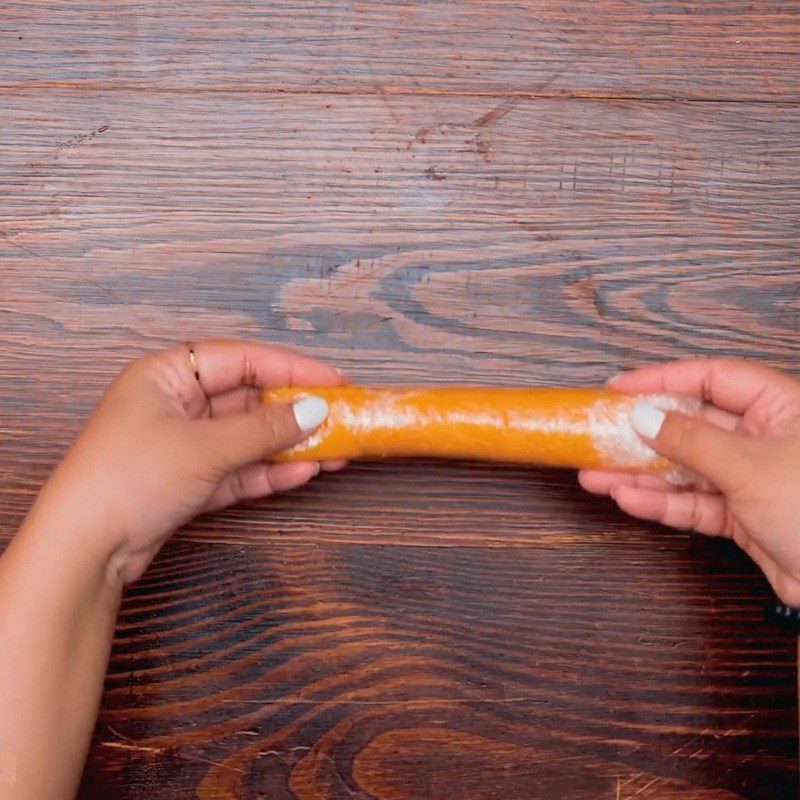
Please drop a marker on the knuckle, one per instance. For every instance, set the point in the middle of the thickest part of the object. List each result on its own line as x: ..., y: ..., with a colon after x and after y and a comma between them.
x: 138, y: 372
x: 278, y: 431
x: 682, y: 434
x: 128, y: 379
x: 249, y: 370
x: 133, y: 369
x: 274, y: 428
x: 726, y: 362
x: 674, y: 514
x: 252, y: 399
x: 695, y: 519
x: 237, y: 488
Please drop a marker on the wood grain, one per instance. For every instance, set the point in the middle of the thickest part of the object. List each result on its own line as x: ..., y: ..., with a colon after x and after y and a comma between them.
x: 710, y: 49
x: 396, y: 672
x: 484, y: 192
x: 585, y: 239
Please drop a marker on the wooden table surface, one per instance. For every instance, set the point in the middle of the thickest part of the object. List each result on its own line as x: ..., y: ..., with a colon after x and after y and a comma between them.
x: 478, y: 191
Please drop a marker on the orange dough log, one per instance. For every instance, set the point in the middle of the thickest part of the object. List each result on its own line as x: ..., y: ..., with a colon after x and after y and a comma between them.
x: 558, y: 427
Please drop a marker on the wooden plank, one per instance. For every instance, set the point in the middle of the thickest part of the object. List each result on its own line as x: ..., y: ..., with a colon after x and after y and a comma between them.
x: 410, y: 631
x: 401, y: 672
x: 701, y: 50
x: 557, y: 243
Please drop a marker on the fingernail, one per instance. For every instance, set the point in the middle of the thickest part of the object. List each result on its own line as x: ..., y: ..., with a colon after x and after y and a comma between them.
x: 647, y: 419
x: 310, y: 412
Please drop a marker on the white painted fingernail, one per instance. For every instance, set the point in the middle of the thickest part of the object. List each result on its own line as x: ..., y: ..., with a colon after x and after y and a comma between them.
x: 647, y: 419
x: 310, y: 412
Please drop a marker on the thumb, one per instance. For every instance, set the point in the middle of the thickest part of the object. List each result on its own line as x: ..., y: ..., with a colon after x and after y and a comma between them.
x: 721, y: 456
x: 242, y: 439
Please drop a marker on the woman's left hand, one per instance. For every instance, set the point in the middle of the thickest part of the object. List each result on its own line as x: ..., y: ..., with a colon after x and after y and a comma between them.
x: 165, y: 445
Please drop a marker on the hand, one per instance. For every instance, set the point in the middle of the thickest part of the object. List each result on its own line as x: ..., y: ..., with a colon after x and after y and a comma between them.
x: 744, y: 448
x: 163, y: 446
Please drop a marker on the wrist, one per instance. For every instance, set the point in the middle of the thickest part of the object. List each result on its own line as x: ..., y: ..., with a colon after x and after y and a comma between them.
x: 70, y: 543
x: 89, y: 531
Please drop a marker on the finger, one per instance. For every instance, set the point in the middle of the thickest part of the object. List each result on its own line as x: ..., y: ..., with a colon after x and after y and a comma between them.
x: 261, y: 480
x: 603, y: 482
x: 239, y: 439
x: 333, y: 466
x: 225, y: 364
x: 245, y: 398
x: 731, y: 384
x: 722, y: 457
x: 720, y: 417
x: 704, y: 513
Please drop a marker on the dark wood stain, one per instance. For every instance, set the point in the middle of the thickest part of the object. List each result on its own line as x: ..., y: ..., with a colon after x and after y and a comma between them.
x: 488, y: 192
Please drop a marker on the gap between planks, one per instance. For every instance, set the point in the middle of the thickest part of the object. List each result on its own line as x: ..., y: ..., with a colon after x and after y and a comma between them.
x: 100, y: 86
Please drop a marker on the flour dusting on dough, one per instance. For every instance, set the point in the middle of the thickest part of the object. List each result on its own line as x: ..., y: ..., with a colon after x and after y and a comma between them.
x: 606, y: 423
x: 616, y: 440
x: 386, y: 414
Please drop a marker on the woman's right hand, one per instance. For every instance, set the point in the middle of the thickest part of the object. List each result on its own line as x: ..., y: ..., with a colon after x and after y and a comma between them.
x: 744, y: 448
x: 179, y: 432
